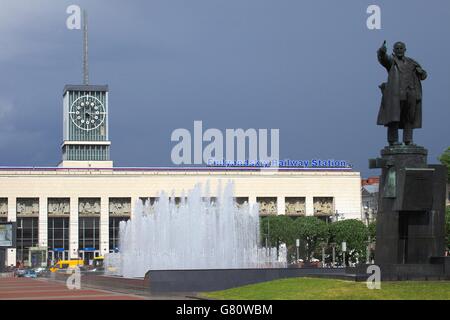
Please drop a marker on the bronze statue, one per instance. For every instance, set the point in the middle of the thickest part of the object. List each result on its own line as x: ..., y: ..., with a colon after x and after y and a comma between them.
x: 401, y: 105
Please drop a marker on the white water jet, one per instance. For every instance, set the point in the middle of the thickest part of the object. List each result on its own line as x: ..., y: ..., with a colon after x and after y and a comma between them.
x: 198, y: 233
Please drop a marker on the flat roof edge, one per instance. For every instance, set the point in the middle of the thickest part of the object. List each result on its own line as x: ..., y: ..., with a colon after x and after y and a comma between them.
x: 177, y: 169
x: 72, y: 87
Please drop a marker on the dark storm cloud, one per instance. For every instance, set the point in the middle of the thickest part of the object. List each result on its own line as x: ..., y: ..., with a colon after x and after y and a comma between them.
x: 306, y: 67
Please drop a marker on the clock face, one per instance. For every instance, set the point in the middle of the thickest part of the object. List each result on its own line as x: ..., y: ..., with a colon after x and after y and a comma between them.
x: 87, y: 113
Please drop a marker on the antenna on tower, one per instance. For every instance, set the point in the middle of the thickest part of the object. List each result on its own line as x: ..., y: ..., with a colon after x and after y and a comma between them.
x: 85, y: 49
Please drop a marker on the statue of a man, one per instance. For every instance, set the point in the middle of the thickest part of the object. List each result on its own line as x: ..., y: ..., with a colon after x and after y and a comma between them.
x: 401, y: 105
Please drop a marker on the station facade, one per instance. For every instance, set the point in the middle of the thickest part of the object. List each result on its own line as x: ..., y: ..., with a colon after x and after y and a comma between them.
x: 74, y: 210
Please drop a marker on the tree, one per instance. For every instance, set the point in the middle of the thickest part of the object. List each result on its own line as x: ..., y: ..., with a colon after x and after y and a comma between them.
x: 355, y: 234
x: 276, y: 230
x: 311, y: 231
x: 445, y: 160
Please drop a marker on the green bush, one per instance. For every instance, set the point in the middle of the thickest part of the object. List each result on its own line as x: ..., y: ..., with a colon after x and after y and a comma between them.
x: 311, y: 231
x: 355, y: 234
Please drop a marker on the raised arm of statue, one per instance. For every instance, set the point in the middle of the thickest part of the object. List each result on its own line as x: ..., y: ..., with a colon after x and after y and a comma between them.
x: 383, y: 58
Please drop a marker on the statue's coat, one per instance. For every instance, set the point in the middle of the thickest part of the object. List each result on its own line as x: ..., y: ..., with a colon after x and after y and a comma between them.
x: 390, y: 103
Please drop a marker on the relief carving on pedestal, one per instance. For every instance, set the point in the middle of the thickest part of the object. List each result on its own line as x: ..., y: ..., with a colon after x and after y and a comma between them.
x: 210, y: 200
x: 120, y: 207
x: 296, y: 206
x: 89, y: 206
x: 28, y: 207
x: 241, y: 201
x: 3, y: 207
x: 58, y: 207
x: 150, y: 201
x: 267, y: 205
x: 323, y: 206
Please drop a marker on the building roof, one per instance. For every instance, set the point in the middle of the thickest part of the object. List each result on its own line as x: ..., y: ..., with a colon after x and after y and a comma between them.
x: 244, y: 169
x: 71, y: 87
x: 120, y: 171
x: 371, y: 188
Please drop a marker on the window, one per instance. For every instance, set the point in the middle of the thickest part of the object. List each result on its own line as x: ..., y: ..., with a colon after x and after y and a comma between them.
x: 114, y: 223
x: 27, y: 236
x: 58, y: 233
x: 89, y: 232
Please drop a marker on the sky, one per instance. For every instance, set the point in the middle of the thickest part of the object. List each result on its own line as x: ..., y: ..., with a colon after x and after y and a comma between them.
x: 307, y: 68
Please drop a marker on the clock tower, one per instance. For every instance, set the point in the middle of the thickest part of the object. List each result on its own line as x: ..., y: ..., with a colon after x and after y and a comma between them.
x: 85, y: 121
x: 85, y: 127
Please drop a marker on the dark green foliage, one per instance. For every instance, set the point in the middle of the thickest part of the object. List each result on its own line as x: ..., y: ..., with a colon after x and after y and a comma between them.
x: 355, y: 234
x: 445, y: 160
x: 311, y: 231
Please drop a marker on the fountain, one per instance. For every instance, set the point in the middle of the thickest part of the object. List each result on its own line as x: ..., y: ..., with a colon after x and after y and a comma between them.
x: 198, y: 233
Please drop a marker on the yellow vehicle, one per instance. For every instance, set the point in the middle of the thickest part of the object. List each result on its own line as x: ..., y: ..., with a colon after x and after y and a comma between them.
x: 98, y: 262
x: 66, y: 265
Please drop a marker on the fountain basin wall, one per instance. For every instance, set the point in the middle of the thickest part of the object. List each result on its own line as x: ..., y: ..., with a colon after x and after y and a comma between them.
x: 222, y: 279
x: 195, y: 232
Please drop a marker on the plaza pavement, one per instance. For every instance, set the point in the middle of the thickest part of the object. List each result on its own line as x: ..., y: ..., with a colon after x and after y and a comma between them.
x: 43, y: 289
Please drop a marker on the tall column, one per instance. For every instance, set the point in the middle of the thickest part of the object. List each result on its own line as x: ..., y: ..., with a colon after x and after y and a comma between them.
x: 12, y: 209
x: 281, y: 206
x: 73, y: 228
x: 43, y: 222
x: 12, y: 217
x: 133, y: 206
x: 251, y: 201
x: 104, y: 225
x: 309, y: 203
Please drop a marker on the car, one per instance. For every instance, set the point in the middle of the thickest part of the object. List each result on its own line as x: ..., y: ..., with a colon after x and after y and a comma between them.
x: 41, y: 271
x: 20, y: 273
x: 30, y: 274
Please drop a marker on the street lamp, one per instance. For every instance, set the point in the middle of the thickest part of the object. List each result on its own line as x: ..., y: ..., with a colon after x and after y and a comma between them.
x: 323, y: 245
x: 367, y: 214
x: 344, y: 249
x: 333, y: 246
x: 336, y: 216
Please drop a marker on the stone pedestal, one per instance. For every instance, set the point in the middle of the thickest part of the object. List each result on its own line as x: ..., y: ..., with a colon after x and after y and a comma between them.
x: 411, y: 216
x: 2, y: 259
